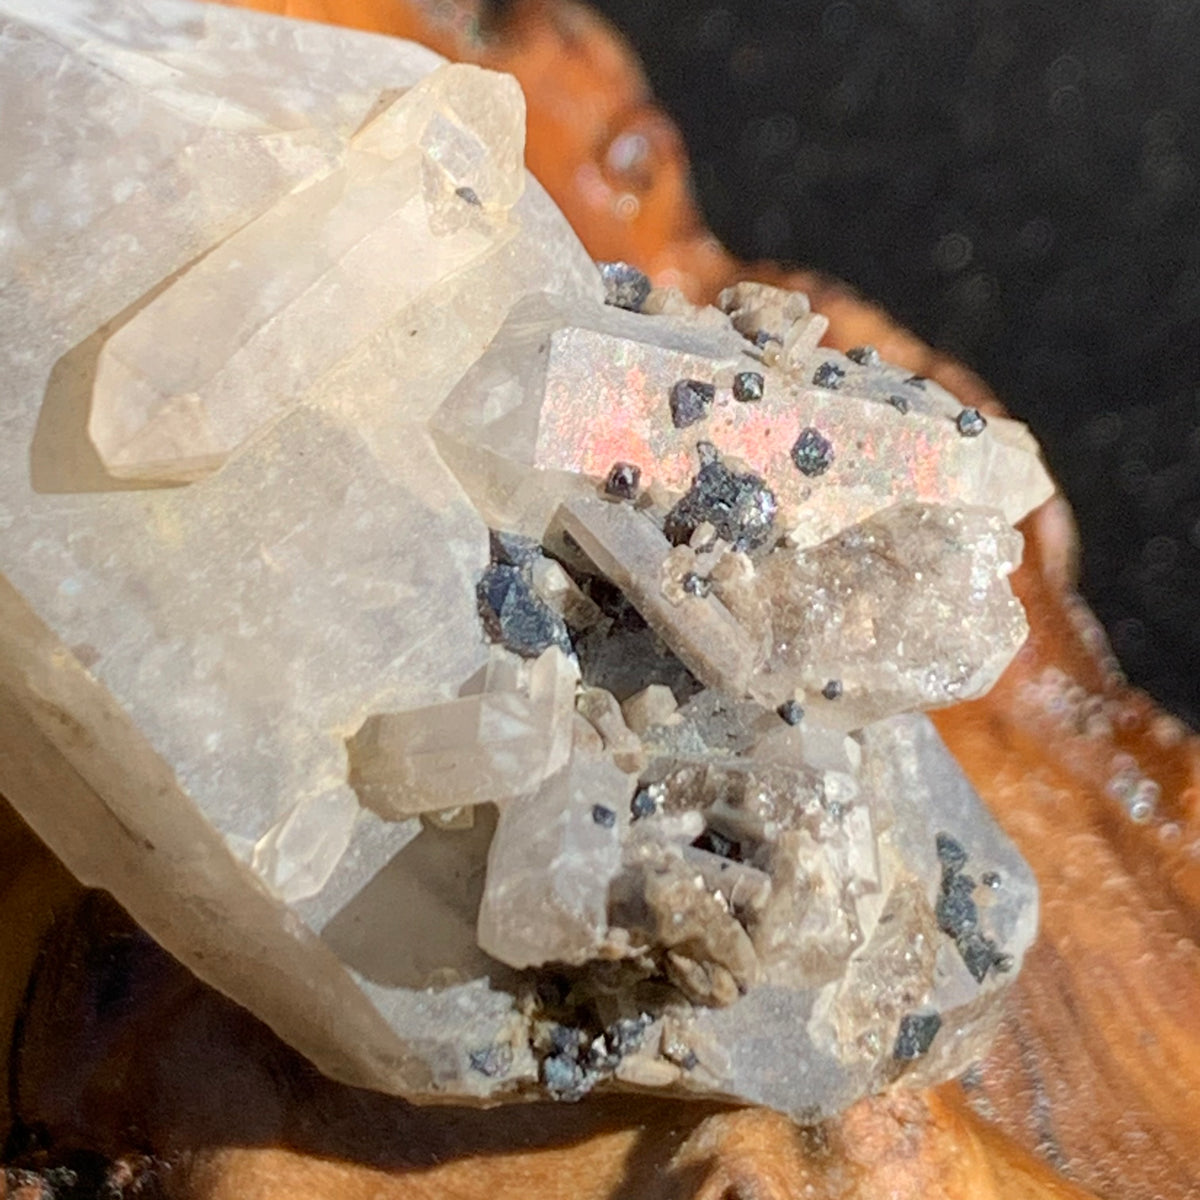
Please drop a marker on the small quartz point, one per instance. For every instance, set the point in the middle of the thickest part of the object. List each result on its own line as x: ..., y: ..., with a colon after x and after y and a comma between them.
x: 601, y: 710
x: 298, y: 289
x: 551, y: 864
x: 778, y: 321
x: 486, y: 748
x: 653, y: 705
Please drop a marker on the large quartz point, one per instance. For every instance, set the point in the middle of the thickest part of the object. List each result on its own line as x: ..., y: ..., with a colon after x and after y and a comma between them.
x: 514, y: 694
x: 299, y: 288
x: 834, y: 439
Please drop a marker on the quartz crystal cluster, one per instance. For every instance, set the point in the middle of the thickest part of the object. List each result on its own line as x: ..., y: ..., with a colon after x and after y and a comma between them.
x: 502, y: 676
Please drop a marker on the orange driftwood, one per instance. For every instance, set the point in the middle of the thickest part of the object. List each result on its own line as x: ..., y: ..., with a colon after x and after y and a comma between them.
x: 1093, y: 1087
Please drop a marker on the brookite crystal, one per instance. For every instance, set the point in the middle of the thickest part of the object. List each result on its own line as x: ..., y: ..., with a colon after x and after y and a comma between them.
x: 518, y: 692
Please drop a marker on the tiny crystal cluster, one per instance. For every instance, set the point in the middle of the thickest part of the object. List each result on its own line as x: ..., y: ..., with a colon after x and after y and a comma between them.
x: 525, y: 689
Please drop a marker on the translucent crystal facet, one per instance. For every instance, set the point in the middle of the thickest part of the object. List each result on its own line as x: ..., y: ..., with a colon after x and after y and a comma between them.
x: 302, y: 286
x: 565, y: 391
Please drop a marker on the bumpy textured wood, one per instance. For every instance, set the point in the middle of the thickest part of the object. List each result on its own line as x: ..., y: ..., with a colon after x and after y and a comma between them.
x: 1096, y: 1075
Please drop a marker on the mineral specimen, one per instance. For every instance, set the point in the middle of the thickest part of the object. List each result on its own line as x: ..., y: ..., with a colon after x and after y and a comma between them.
x: 518, y: 694
x: 748, y: 386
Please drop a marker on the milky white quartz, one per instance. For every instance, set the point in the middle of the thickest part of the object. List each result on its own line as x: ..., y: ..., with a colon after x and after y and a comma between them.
x: 180, y: 667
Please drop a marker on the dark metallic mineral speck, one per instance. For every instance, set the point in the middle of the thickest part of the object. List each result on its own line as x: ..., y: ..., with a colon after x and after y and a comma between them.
x: 865, y: 356
x: 812, y: 453
x: 990, y: 879
x: 603, y: 816
x: 916, y: 1034
x: 970, y: 422
x: 978, y: 954
x: 469, y: 195
x: 696, y: 585
x: 690, y: 402
x: 957, y: 913
x: 566, y: 1039
x: 626, y: 1034
x: 623, y: 481
x: 791, y: 712
x: 643, y: 804
x: 513, y: 549
x: 917, y: 381
x: 748, y: 386
x: 829, y: 375
x: 950, y: 853
x: 832, y: 690
x: 739, y: 506
x: 624, y: 286
x: 564, y: 1078
x: 899, y: 403
x: 516, y: 616
x: 491, y: 1061
x: 718, y: 844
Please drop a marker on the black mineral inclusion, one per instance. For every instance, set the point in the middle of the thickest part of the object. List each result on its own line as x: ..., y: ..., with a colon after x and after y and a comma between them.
x: 603, y: 816
x: 623, y: 481
x: 624, y: 286
x: 748, y: 386
x: 690, y: 402
x: 958, y: 914
x: 970, y: 422
x: 812, y: 453
x: 829, y: 375
x: 516, y: 616
x: 915, y: 1036
x: 739, y: 506
x: 865, y: 356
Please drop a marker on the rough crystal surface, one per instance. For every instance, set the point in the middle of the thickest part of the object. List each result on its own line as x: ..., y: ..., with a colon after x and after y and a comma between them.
x: 908, y: 610
x: 472, y: 718
x: 521, y: 429
x: 192, y: 660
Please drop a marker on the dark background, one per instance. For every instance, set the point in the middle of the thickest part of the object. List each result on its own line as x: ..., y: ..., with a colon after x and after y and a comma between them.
x: 1018, y: 183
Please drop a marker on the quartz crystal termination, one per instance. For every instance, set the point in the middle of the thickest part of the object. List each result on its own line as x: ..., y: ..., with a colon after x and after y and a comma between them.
x: 268, y: 303
x: 488, y: 725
